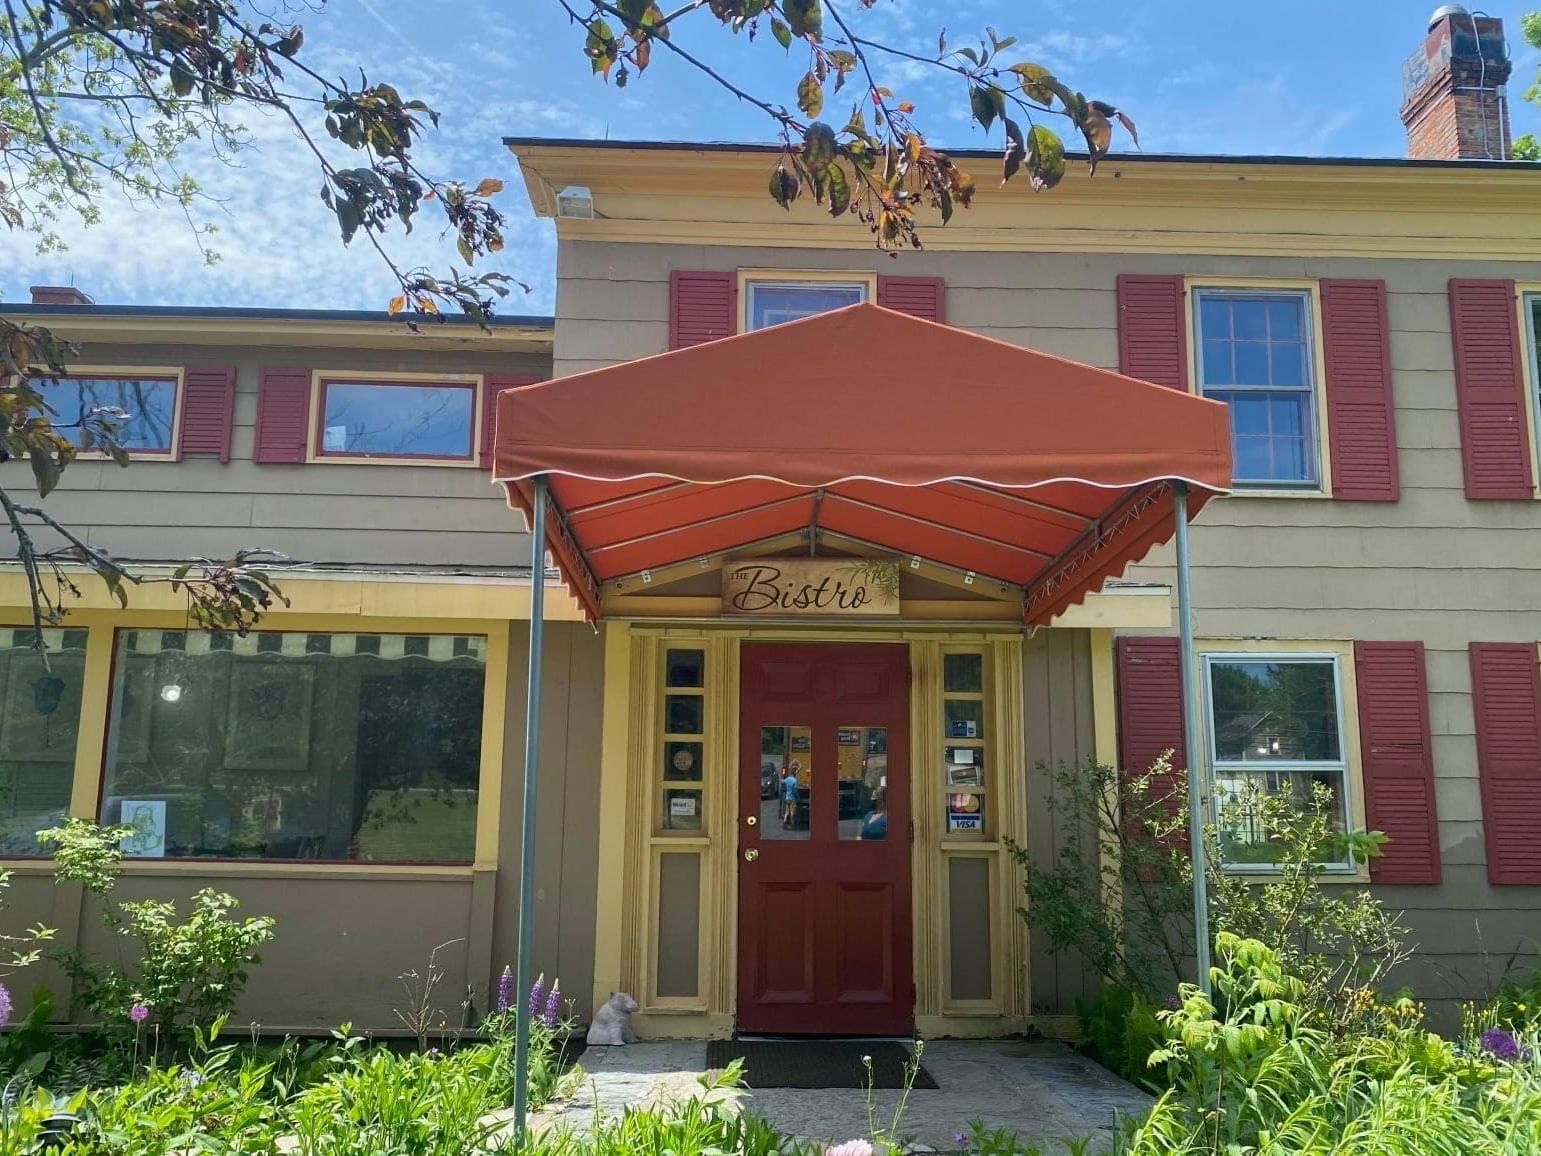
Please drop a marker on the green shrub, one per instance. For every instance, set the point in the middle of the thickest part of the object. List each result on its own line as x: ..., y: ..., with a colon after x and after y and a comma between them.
x: 189, y: 971
x: 1121, y: 1027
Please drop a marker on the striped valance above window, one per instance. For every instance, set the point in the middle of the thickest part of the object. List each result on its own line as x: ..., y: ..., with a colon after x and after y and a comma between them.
x: 299, y: 644
x: 54, y: 638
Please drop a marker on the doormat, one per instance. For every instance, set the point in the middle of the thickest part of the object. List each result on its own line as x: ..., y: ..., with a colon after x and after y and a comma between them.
x: 818, y: 1063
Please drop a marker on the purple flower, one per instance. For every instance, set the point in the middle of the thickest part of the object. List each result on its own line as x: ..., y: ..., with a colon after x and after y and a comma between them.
x: 5, y: 1005
x: 959, y: 1139
x: 554, y: 1005
x: 505, y: 991
x: 1173, y: 1002
x: 1502, y: 1045
x: 139, y: 1012
x: 538, y: 995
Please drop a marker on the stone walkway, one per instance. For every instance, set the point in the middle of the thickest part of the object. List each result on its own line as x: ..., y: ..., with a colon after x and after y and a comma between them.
x: 1040, y: 1089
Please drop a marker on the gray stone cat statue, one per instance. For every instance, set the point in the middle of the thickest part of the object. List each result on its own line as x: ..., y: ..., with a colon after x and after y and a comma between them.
x: 612, y: 1021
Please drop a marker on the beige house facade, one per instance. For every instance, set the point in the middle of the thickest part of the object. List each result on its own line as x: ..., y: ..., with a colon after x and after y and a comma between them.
x: 1367, y: 598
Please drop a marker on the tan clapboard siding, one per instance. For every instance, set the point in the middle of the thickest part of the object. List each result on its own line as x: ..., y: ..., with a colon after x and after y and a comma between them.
x: 1057, y: 686
x: 406, y: 515
x: 1430, y: 567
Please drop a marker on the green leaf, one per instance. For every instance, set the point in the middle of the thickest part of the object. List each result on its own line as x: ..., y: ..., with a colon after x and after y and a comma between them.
x: 781, y: 31
x: 1016, y: 150
x: 986, y: 103
x: 805, y: 16
x: 810, y: 95
x: 45, y: 470
x: 1038, y: 83
x: 839, y: 188
x: 818, y: 146
x: 783, y: 187
x: 1045, y: 157
x: 348, y: 219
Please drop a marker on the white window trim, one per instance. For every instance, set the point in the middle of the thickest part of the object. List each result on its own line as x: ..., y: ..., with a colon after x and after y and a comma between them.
x: 1313, y: 389
x: 748, y: 279
x: 1344, y: 764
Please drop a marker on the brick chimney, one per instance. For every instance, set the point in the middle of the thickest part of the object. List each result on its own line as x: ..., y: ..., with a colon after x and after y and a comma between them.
x: 1454, y: 103
x: 59, y: 295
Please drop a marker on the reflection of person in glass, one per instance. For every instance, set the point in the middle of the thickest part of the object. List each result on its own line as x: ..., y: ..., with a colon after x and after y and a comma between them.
x: 875, y: 825
x: 789, y: 793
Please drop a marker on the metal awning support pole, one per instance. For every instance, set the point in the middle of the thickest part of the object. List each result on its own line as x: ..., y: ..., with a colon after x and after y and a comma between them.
x: 526, y: 962
x: 1191, y: 729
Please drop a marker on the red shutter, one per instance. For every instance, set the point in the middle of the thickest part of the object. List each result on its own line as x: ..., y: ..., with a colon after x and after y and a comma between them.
x: 702, y: 307
x: 1490, y: 389
x: 283, y: 413
x: 1150, y: 708
x: 1396, y: 759
x: 1361, y: 413
x: 208, y: 403
x: 1153, y: 329
x: 1506, y: 697
x: 492, y: 385
x: 918, y: 296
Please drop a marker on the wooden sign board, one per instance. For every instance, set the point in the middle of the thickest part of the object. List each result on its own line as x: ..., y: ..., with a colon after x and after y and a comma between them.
x: 827, y: 587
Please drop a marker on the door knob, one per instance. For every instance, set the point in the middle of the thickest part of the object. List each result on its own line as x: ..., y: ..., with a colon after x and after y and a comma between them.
x: 751, y: 820
x: 751, y: 854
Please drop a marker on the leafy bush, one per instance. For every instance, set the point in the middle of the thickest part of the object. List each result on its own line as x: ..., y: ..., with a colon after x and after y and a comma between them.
x: 1121, y: 895
x: 1122, y: 1029
x: 189, y: 971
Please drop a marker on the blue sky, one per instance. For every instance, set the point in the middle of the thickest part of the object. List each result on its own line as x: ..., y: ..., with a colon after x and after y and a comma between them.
x: 1315, y: 77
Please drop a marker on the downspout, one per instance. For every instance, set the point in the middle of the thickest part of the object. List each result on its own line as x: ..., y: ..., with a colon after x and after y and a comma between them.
x: 1191, y: 729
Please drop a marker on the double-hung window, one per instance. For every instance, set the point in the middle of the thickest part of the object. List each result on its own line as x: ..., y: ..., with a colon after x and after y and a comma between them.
x: 139, y: 410
x: 1255, y: 354
x: 775, y: 302
x: 1275, y: 729
x: 387, y: 418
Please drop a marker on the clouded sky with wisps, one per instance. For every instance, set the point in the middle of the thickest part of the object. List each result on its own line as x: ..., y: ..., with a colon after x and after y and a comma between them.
x: 1314, y: 77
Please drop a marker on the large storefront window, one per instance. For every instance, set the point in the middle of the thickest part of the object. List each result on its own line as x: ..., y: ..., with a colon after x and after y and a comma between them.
x: 39, y: 723
x: 296, y: 745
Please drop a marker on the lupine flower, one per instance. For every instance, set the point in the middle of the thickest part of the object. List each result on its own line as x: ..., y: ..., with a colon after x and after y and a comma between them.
x: 851, y: 1148
x: 505, y: 991
x: 5, y: 1005
x: 139, y: 1012
x: 1502, y: 1045
x: 1173, y: 1002
x: 959, y: 1139
x: 538, y: 995
x: 554, y: 1005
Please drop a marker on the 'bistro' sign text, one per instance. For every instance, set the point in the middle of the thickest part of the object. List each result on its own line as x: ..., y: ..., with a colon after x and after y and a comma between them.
x: 768, y: 587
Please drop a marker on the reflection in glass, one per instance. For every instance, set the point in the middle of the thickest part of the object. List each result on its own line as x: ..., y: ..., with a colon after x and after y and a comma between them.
x: 145, y: 408
x: 965, y: 766
x: 682, y: 714
x: 682, y: 762
x: 1270, y: 711
x: 963, y: 673
x: 685, y: 667
x: 786, y: 770
x: 965, y: 718
x: 863, y: 782
x: 397, y: 420
x: 682, y: 810
x: 39, y: 722
x: 965, y: 813
x: 1244, y: 835
x: 775, y: 304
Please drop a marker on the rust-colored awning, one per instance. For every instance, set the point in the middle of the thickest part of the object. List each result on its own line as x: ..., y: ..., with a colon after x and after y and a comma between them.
x: 913, y: 437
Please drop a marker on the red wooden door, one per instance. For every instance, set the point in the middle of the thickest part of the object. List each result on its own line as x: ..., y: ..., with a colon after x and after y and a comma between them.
x: 824, y: 840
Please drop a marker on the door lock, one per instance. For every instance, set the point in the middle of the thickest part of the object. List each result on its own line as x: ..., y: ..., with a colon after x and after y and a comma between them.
x: 751, y: 854
x: 752, y: 820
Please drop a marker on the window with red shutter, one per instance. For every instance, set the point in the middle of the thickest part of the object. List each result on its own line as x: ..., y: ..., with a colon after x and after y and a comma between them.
x: 1490, y: 390
x: 1361, y: 414
x: 492, y: 385
x: 1506, y: 700
x: 1396, y: 760
x: 1150, y: 708
x: 702, y: 307
x: 208, y: 406
x: 283, y: 414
